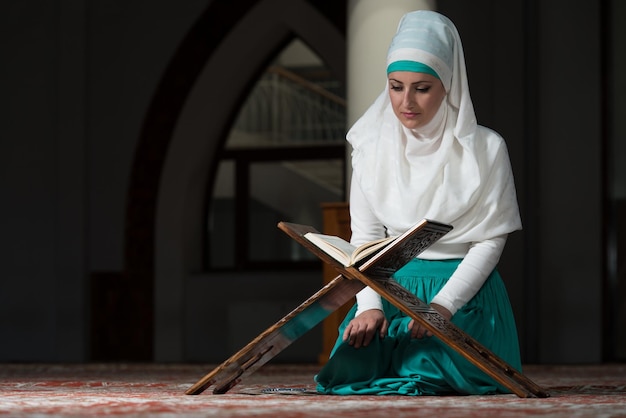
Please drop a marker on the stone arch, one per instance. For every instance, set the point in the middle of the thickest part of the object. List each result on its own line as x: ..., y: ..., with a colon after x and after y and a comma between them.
x: 186, y: 126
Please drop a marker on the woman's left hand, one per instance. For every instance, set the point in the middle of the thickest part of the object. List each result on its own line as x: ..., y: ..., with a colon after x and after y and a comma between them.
x: 418, y: 331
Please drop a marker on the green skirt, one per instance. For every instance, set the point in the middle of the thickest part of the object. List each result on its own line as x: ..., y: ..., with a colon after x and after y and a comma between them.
x: 401, y: 365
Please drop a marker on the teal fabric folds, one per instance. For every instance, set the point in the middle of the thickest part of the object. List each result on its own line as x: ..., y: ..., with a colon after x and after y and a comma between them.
x: 401, y: 365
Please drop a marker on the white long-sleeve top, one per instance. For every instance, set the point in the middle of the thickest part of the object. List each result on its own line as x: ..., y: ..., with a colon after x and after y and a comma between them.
x: 479, y: 259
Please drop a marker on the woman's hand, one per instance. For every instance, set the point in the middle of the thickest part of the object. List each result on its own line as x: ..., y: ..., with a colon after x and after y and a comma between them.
x: 364, y: 327
x: 418, y: 331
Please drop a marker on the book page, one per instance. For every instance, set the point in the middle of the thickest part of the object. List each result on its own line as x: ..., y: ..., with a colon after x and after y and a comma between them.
x: 398, y: 250
x: 340, y: 249
x: 344, y: 252
x: 368, y: 248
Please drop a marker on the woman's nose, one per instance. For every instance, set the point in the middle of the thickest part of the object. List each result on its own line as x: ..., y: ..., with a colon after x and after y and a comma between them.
x: 407, y: 100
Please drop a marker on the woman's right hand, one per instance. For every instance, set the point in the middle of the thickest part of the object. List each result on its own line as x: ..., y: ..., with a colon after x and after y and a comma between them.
x: 363, y: 328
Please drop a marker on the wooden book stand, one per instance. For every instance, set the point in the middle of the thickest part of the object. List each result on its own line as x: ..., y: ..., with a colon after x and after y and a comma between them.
x: 376, y: 273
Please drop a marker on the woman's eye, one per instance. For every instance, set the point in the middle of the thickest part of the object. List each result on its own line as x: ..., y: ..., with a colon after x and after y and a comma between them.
x: 396, y: 88
x: 422, y: 89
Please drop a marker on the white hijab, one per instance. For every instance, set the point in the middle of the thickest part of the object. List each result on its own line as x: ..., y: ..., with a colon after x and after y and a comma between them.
x: 451, y: 170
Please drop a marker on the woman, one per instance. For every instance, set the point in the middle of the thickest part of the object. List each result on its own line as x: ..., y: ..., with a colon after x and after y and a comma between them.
x: 419, y: 153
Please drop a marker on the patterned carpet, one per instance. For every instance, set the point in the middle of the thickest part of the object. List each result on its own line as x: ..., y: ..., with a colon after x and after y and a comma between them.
x: 157, y: 390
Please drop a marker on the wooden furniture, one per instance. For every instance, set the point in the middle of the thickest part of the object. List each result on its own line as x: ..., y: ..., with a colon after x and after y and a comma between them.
x: 376, y: 273
x: 336, y: 221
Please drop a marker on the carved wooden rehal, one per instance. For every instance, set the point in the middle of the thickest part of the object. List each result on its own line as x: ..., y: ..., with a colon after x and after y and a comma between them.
x: 376, y: 273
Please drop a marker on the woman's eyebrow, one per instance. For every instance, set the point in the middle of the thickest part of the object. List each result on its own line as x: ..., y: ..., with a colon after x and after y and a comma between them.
x: 413, y: 83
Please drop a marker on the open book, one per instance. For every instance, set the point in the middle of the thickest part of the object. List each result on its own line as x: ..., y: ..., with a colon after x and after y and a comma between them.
x: 349, y: 255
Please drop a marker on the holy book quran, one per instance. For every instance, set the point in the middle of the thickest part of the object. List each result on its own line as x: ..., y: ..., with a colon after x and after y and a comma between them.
x: 349, y: 255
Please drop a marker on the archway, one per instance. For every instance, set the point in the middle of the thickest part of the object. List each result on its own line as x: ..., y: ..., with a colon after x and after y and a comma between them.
x: 187, y: 123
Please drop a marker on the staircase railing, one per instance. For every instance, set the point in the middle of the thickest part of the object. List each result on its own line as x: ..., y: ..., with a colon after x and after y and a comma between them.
x: 285, y: 109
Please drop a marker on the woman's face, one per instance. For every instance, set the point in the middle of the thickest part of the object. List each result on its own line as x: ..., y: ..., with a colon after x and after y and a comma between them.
x: 415, y: 97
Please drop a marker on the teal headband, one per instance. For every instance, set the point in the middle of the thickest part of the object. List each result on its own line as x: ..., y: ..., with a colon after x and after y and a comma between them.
x: 413, y: 66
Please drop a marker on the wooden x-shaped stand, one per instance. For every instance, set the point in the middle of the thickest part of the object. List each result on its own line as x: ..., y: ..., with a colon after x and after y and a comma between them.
x: 335, y: 294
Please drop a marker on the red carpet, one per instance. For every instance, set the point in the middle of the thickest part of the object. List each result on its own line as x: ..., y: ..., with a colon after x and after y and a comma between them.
x: 48, y: 390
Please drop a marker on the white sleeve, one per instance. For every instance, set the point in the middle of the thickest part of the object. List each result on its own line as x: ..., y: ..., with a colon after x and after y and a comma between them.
x: 367, y: 299
x: 471, y: 274
x: 365, y: 227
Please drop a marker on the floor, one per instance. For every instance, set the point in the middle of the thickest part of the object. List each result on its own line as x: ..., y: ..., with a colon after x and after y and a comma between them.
x: 283, y: 390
